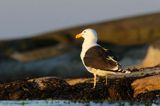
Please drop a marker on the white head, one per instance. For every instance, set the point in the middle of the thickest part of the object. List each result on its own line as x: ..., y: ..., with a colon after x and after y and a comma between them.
x: 89, y: 35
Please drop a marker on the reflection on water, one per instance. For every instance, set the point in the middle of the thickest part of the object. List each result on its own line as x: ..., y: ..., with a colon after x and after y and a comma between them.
x: 66, y: 103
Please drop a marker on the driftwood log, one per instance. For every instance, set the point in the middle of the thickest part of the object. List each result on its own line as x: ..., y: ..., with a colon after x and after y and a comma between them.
x: 140, y: 85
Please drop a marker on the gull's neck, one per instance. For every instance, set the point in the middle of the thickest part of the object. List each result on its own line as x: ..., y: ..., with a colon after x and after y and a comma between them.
x: 88, y: 43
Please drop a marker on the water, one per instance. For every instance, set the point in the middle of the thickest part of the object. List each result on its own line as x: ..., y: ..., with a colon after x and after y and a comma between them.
x: 68, y: 103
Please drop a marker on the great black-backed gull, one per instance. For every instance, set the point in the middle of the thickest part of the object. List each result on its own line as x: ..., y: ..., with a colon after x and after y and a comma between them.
x: 96, y: 59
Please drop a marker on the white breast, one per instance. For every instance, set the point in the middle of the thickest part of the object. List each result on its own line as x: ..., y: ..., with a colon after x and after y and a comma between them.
x: 85, y: 47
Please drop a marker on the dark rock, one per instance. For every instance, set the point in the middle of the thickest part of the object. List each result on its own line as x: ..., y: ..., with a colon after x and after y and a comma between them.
x: 118, y: 88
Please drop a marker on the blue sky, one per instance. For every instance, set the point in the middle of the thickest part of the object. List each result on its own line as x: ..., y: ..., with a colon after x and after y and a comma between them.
x: 23, y: 18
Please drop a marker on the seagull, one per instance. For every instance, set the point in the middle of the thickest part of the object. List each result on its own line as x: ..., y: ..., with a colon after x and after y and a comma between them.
x: 96, y: 59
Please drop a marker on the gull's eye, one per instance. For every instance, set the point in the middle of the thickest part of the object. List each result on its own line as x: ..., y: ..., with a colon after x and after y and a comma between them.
x: 84, y: 31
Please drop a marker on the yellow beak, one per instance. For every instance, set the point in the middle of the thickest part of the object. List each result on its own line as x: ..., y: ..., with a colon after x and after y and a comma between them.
x: 78, y: 36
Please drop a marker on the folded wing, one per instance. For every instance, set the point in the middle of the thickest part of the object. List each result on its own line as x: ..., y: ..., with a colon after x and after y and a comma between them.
x: 100, y: 58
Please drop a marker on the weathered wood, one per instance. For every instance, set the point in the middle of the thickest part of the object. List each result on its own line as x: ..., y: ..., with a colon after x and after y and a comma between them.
x: 146, y: 84
x: 120, y: 87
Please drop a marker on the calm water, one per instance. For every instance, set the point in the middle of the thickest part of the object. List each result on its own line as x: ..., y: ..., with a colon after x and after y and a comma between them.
x: 67, y: 103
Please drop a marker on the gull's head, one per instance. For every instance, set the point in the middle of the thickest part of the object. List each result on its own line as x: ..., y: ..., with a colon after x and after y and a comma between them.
x: 88, y: 35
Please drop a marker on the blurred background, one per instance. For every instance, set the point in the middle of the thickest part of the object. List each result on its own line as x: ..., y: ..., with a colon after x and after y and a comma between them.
x: 37, y: 36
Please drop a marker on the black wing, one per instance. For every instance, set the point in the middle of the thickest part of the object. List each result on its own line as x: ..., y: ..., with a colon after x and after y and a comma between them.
x: 100, y: 58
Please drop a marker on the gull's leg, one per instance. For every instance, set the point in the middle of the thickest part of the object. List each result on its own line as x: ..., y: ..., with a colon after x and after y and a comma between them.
x: 95, y: 78
x: 106, y: 80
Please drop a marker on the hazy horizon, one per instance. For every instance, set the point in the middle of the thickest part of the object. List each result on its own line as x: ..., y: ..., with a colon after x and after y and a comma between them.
x: 25, y: 18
